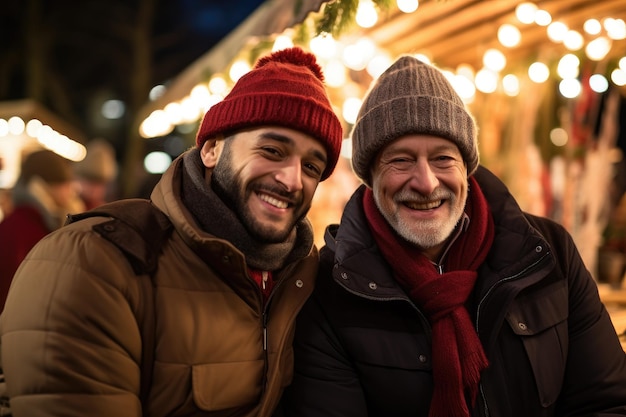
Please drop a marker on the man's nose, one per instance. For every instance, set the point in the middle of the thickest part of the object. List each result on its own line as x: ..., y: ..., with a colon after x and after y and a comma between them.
x: 423, y: 178
x: 290, y: 175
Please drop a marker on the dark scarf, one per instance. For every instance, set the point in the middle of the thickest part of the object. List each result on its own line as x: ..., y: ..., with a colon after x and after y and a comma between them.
x: 458, y: 356
x: 218, y: 219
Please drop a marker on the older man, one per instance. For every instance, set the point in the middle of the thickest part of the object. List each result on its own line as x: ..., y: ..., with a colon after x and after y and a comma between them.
x: 437, y: 296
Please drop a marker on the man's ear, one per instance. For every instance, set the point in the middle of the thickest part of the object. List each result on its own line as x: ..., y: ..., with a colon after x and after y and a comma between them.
x: 211, y: 151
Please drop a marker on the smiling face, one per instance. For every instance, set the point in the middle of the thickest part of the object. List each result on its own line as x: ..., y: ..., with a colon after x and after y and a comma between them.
x: 420, y: 186
x: 268, y: 176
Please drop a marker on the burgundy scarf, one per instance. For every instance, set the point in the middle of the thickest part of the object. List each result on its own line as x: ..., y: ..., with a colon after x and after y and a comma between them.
x: 458, y: 356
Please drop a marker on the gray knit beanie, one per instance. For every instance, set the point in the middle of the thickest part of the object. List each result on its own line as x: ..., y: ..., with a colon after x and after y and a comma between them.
x: 411, y: 97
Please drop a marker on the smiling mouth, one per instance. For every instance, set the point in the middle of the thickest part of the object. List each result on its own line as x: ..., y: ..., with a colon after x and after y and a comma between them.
x: 423, y: 206
x: 274, y: 201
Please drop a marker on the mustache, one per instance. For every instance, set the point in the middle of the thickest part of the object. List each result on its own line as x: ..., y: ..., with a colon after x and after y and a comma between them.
x: 408, y: 195
x: 291, y: 198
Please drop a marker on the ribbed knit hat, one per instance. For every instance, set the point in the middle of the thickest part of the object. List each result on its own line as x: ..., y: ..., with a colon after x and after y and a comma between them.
x: 285, y: 89
x: 411, y: 97
x: 47, y: 165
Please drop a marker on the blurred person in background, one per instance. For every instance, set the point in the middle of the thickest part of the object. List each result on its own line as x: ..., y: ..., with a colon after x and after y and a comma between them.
x: 6, y: 203
x: 437, y: 295
x: 45, y: 192
x: 96, y: 174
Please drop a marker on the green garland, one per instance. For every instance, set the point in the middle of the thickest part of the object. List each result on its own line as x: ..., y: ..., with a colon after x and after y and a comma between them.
x: 339, y: 15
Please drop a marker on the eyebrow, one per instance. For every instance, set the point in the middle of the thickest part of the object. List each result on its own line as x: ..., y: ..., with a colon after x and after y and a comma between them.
x: 289, y: 141
x: 450, y: 147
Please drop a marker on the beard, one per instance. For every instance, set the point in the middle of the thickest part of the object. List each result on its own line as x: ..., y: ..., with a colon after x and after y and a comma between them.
x: 424, y: 234
x: 229, y: 187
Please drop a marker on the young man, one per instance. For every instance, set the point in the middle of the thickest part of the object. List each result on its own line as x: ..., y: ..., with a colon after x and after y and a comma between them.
x: 232, y: 276
x: 437, y: 296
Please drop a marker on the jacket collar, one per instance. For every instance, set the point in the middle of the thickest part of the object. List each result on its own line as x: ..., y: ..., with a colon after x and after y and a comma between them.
x: 517, y: 245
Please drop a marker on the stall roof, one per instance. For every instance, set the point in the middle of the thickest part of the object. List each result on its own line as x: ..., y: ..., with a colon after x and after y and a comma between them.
x: 459, y: 31
x: 271, y: 17
x: 450, y: 32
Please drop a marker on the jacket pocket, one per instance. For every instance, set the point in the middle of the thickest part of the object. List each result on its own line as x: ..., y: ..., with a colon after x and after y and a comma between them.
x: 219, y: 386
x: 541, y: 321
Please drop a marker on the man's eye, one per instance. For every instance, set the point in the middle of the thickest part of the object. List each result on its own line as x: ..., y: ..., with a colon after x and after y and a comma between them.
x: 271, y: 151
x: 445, y: 159
x: 313, y: 170
x: 400, y: 162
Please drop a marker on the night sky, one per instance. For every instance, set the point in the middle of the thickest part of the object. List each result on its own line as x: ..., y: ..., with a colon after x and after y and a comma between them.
x: 71, y: 55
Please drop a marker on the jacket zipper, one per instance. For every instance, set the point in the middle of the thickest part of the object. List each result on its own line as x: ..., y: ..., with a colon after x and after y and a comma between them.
x: 265, y: 318
x: 522, y: 273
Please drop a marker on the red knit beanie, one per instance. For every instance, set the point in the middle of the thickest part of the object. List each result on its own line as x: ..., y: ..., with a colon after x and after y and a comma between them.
x: 285, y: 89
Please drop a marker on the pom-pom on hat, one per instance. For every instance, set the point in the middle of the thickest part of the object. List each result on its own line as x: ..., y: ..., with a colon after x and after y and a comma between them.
x: 411, y: 97
x: 285, y: 89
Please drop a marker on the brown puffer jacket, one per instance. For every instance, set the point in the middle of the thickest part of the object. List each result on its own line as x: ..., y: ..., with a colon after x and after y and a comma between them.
x: 71, y: 345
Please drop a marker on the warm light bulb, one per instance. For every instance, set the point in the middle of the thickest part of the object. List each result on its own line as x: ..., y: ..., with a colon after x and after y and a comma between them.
x: 464, y: 87
x: 543, y: 18
x: 282, y: 42
x: 597, y: 49
x: 568, y: 66
x: 615, y: 29
x: 486, y: 80
x: 538, y: 72
x: 510, y: 84
x: 4, y: 127
x: 407, y: 6
x: 525, y: 12
x: 509, y: 35
x: 557, y: 31
x: 16, y: 125
x: 335, y: 73
x: 573, y: 40
x: 378, y: 65
x: 350, y: 109
x: 598, y: 83
x: 323, y: 46
x: 618, y: 77
x: 570, y: 88
x: 366, y: 15
x: 592, y: 26
x: 217, y: 85
x: 238, y: 69
x: 494, y: 60
x: 32, y: 127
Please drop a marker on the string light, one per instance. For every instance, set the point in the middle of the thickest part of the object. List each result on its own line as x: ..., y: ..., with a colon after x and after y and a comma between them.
x: 494, y: 60
x: 366, y: 15
x: 592, y: 26
x: 557, y: 31
x: 407, y: 6
x: 510, y: 85
x: 568, y: 66
x: 598, y: 48
x: 525, y: 12
x: 338, y: 59
x: 509, y: 35
x: 538, y: 72
x: 573, y: 40
x: 598, y: 83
